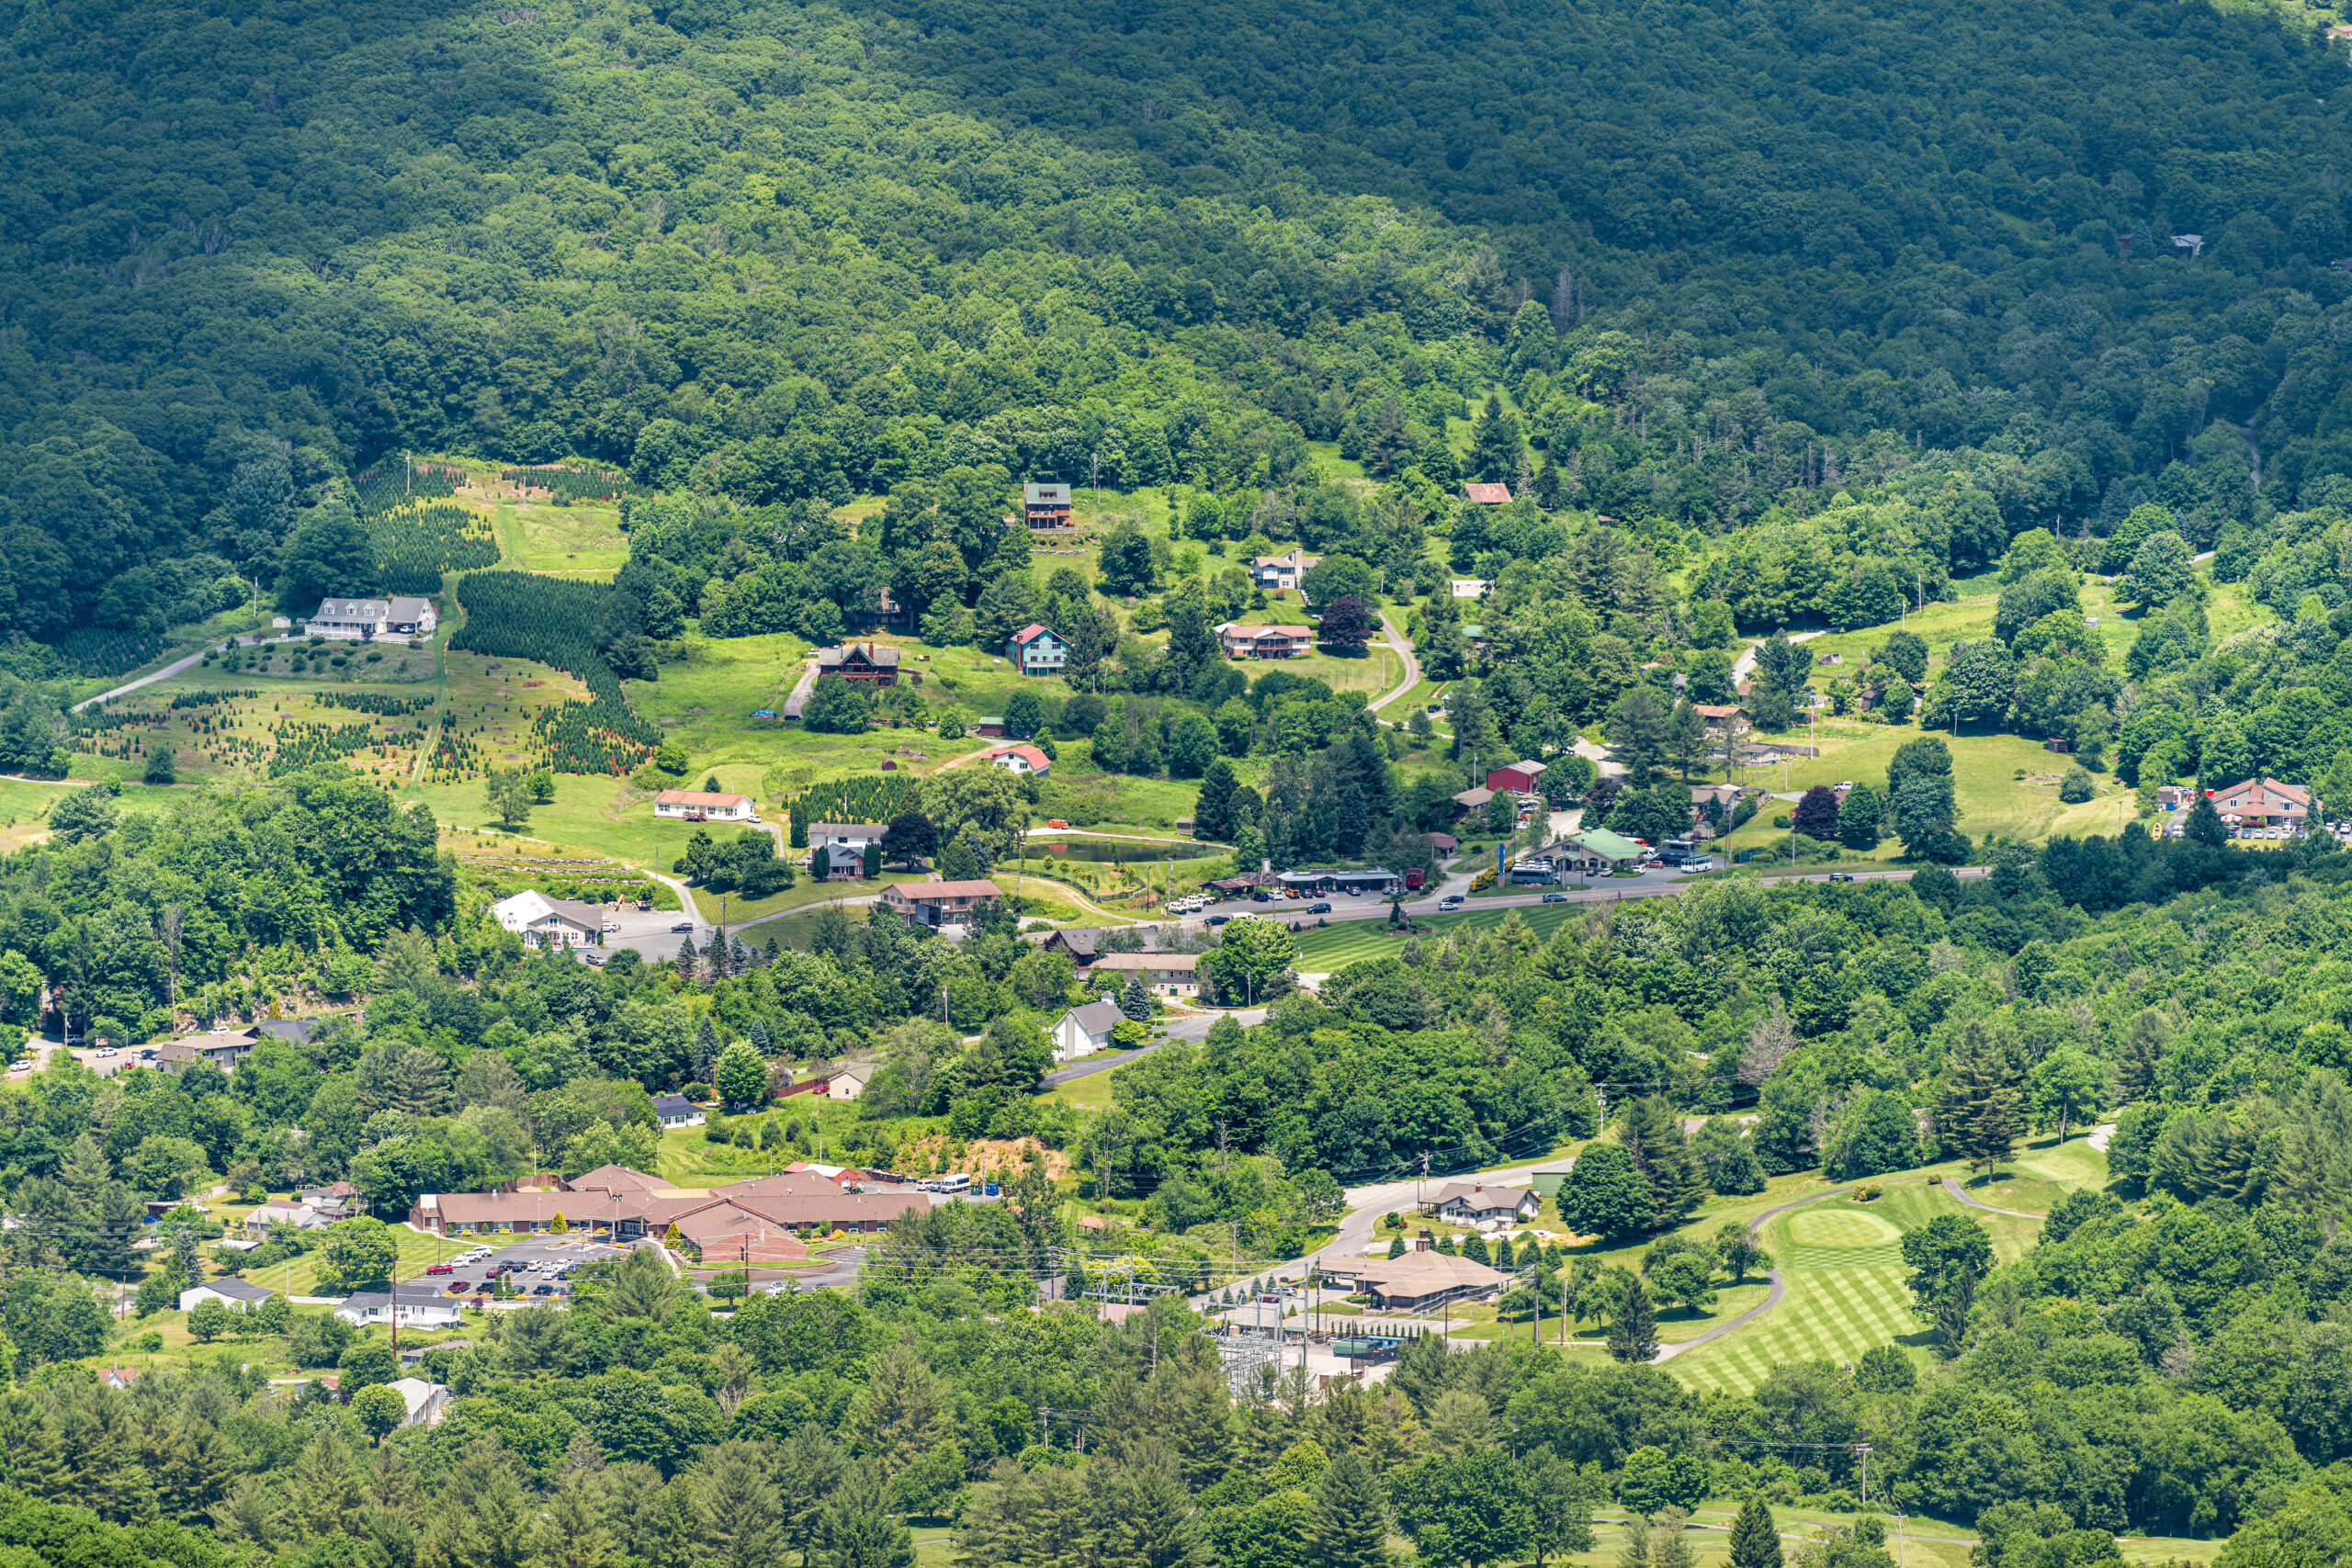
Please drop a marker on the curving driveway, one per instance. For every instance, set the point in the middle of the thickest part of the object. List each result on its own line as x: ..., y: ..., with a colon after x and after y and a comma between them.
x: 1771, y: 1297
x: 1404, y: 650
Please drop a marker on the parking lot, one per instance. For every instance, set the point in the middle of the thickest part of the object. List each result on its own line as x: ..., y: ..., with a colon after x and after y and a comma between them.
x: 534, y: 1258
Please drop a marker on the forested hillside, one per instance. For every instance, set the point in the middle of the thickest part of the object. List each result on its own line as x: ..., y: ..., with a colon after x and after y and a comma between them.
x: 1721, y: 257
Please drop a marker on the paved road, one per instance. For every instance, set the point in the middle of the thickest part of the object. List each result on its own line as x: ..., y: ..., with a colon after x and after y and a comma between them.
x: 1649, y: 885
x: 2100, y: 1134
x: 1745, y: 665
x: 1954, y: 1188
x: 1404, y: 650
x: 1193, y: 1027
x: 175, y: 668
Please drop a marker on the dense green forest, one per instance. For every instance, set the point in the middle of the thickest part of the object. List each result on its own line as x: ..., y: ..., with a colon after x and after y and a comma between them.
x: 1730, y: 258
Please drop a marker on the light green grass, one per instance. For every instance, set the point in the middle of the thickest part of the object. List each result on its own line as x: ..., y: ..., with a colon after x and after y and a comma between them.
x: 1091, y: 1092
x: 1326, y: 949
x: 565, y: 541
x: 1834, y: 1310
x: 300, y: 1276
x: 1842, y: 1260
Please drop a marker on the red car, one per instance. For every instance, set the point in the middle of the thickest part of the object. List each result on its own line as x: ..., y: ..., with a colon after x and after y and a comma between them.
x: 441, y: 1268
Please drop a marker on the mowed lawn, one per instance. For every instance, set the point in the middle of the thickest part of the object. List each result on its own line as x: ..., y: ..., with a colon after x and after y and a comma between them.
x: 1325, y: 949
x: 1842, y: 1260
x: 580, y: 541
x: 1844, y: 1273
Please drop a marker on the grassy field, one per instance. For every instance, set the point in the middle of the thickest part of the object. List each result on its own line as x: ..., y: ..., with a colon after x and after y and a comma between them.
x: 24, y: 801
x: 298, y: 1277
x: 1322, y: 950
x: 583, y: 541
x: 1841, y: 1261
x: 1991, y: 797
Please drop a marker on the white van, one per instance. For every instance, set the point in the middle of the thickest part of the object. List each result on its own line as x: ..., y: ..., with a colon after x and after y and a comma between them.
x: 955, y: 1182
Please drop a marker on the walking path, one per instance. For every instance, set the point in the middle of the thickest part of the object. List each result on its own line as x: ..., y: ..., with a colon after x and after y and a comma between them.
x: 1771, y: 1297
x: 1954, y: 1188
x: 2100, y: 1134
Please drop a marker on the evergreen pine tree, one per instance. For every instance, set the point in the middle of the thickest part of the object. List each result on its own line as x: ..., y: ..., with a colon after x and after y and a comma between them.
x: 1474, y: 1248
x: 1350, y: 1527
x: 1136, y: 1001
x: 759, y: 1037
x: 1979, y: 1114
x: 1503, y: 1259
x: 706, y: 1049
x: 1633, y: 1323
x: 1396, y: 1247
x: 1213, y: 814
x: 1754, y: 1542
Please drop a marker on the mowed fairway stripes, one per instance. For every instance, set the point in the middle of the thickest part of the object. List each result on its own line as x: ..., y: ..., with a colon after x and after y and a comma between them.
x: 1828, y: 1315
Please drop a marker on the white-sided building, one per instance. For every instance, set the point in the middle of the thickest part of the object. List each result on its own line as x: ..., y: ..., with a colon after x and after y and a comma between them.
x: 418, y: 1308
x: 1024, y: 760
x: 844, y: 844
x: 552, y: 922
x: 1082, y: 1032
x: 363, y: 620
x: 237, y: 1295
x: 705, y: 805
x: 426, y: 1401
x: 677, y: 1111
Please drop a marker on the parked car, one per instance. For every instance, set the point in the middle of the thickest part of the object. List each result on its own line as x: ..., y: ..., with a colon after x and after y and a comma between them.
x: 1219, y: 920
x: 441, y: 1268
x: 459, y: 1287
x: 543, y: 1290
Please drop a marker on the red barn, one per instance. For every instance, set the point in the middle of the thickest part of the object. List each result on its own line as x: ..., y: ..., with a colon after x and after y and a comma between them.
x: 1523, y: 778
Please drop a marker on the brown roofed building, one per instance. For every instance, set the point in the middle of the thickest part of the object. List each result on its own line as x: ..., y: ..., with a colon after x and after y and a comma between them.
x: 1170, y: 974
x: 867, y: 663
x: 2266, y: 801
x: 1487, y: 495
x: 940, y: 903
x: 616, y: 1179
x: 1420, y: 1280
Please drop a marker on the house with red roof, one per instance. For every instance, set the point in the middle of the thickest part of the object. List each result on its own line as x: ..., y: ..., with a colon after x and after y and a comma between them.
x: 1487, y: 495
x: 1025, y: 760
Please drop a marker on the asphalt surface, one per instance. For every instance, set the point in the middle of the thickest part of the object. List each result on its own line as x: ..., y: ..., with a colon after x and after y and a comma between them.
x: 1956, y: 1190
x: 179, y: 665
x: 538, y: 1250
x: 1649, y: 885
x: 1191, y: 1026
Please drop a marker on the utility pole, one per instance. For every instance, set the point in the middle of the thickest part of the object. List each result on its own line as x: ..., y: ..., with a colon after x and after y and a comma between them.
x: 1862, y: 1451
